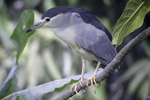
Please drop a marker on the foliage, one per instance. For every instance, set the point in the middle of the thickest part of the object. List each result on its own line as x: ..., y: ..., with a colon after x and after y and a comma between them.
x: 39, y: 91
x: 10, y: 84
x: 131, y: 19
x: 18, y: 38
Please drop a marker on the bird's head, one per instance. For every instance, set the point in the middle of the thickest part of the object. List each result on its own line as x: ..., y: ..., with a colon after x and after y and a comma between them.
x: 57, y: 17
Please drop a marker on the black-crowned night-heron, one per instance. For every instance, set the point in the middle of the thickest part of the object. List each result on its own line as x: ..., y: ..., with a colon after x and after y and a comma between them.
x: 82, y: 32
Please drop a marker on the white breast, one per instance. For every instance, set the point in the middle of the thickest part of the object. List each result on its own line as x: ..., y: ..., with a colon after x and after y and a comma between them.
x: 67, y: 35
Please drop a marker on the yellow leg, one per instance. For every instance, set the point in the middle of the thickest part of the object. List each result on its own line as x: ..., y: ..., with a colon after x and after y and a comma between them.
x: 83, y: 69
x: 92, y: 78
x: 82, y: 76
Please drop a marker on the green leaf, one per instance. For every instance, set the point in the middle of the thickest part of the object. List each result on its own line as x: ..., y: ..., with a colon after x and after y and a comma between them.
x: 37, y: 92
x: 19, y: 38
x: 10, y: 84
x: 131, y: 19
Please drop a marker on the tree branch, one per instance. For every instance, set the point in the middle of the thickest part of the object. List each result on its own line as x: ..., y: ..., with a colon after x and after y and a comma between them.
x: 110, y: 67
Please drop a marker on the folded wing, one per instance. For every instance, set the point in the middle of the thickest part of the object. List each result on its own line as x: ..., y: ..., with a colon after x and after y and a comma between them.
x: 96, y: 43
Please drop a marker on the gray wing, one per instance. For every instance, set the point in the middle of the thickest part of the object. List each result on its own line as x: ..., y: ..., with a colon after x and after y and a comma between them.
x: 96, y: 43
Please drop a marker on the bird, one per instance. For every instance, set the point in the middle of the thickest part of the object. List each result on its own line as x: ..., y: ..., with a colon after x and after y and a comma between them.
x: 83, y: 33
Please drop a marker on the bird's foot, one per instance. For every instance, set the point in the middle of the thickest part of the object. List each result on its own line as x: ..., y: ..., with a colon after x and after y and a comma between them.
x: 92, y: 79
x: 75, y: 87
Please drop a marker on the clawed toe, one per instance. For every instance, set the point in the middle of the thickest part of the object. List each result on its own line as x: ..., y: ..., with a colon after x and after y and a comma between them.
x: 75, y: 87
x: 92, y: 80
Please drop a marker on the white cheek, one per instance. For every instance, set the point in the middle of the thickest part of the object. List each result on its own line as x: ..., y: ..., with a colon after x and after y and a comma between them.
x: 59, y: 20
x: 56, y: 22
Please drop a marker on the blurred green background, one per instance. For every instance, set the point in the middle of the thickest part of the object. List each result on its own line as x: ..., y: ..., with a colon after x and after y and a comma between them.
x: 46, y: 58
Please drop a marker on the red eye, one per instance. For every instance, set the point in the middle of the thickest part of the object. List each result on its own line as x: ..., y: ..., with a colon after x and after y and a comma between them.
x: 47, y: 19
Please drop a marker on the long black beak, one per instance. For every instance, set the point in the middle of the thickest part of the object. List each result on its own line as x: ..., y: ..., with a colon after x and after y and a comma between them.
x: 36, y: 26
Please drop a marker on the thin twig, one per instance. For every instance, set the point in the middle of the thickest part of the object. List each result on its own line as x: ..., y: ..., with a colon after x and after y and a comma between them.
x: 110, y: 67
